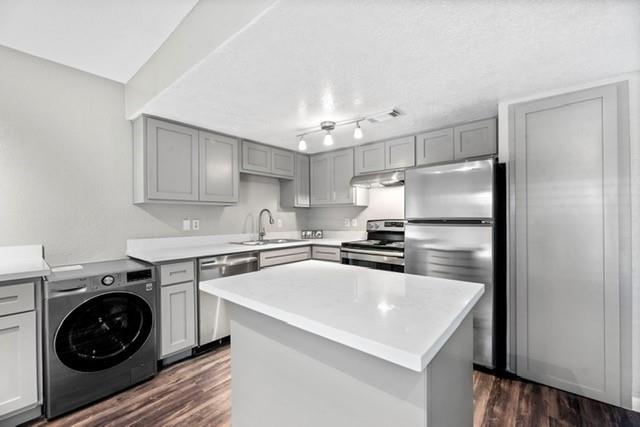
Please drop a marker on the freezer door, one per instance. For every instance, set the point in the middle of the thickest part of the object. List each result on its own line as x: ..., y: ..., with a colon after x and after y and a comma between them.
x: 458, y: 252
x: 453, y: 191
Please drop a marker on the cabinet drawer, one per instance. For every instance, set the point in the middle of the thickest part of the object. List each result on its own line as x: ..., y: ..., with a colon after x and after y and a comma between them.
x: 16, y: 298
x: 176, y: 273
x: 283, y: 256
x: 326, y: 253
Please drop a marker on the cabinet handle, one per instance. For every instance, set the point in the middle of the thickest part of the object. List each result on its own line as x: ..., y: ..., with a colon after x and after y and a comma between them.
x: 177, y: 272
x: 9, y: 299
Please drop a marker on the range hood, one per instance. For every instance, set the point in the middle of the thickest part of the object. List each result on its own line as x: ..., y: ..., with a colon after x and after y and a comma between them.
x: 380, y: 179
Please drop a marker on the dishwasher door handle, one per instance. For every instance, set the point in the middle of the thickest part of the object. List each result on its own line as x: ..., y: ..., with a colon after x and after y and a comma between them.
x: 214, y: 264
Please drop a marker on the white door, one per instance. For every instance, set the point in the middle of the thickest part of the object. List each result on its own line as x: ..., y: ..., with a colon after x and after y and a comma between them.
x: 219, y: 174
x: 172, y: 161
x: 18, y: 362
x: 178, y: 322
x: 568, y: 219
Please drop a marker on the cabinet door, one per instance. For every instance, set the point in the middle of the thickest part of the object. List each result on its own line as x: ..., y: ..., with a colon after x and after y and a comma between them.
x: 341, y: 171
x: 569, y: 231
x: 475, y: 139
x: 256, y: 157
x: 282, y: 162
x: 219, y: 174
x: 178, y: 322
x: 302, y: 178
x: 18, y: 362
x: 320, y: 179
x: 434, y: 147
x: 400, y: 153
x: 369, y: 158
x: 172, y: 161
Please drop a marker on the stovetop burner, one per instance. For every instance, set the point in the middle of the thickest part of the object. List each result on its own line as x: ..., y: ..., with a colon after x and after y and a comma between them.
x: 382, y: 235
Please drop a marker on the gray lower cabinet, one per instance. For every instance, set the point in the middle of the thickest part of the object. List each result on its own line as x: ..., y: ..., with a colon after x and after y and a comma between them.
x: 295, y: 193
x: 400, y: 153
x: 434, y: 147
x: 331, y: 175
x: 572, y: 241
x: 475, y: 139
x: 326, y: 253
x: 284, y: 256
x: 262, y: 159
x: 369, y: 158
x: 173, y: 163
x: 219, y: 174
x: 177, y: 308
x: 18, y: 350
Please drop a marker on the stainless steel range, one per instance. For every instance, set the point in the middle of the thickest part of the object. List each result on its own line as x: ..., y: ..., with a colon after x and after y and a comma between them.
x: 383, y: 249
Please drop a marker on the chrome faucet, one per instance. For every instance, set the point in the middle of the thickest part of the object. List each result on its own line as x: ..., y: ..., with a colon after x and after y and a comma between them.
x: 261, y: 230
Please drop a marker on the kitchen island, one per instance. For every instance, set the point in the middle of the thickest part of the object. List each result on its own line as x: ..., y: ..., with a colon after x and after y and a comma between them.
x: 316, y: 343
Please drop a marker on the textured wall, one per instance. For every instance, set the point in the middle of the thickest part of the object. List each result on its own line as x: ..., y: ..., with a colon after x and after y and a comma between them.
x: 65, y: 169
x: 383, y: 203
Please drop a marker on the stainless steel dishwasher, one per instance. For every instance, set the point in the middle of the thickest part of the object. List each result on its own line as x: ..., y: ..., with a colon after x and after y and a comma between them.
x: 212, y: 313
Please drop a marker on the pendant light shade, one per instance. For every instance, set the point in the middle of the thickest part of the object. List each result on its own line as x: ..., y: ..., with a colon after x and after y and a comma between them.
x: 328, y: 139
x: 357, y: 132
x: 302, y: 144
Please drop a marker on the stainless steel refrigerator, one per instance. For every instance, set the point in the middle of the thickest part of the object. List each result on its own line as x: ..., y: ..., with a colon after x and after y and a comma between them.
x: 453, y: 231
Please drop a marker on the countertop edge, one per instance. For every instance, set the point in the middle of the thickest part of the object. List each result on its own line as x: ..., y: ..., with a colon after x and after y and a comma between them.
x: 393, y: 355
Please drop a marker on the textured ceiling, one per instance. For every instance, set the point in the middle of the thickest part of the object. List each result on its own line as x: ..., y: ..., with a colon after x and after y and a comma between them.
x: 109, y: 38
x: 439, y: 61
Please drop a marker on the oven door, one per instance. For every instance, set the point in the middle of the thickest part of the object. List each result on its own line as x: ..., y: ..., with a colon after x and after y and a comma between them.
x: 379, y: 260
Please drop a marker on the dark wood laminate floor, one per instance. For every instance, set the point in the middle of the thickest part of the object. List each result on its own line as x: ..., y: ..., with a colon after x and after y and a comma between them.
x: 197, y: 393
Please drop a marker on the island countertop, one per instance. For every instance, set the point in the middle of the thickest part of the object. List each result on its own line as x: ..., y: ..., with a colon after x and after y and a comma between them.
x: 401, y: 318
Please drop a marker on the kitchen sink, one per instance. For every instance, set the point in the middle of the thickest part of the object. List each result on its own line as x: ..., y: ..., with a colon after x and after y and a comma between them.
x: 266, y: 242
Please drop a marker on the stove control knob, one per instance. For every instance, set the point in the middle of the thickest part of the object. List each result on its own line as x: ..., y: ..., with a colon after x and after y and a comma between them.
x: 108, y: 280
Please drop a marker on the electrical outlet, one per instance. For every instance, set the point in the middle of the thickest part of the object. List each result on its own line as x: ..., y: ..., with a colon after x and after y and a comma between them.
x: 346, y: 222
x: 186, y: 224
x: 354, y: 222
x: 279, y: 222
x: 195, y: 224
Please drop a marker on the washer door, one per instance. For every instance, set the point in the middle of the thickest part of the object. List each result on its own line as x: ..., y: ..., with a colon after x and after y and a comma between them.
x: 103, y: 331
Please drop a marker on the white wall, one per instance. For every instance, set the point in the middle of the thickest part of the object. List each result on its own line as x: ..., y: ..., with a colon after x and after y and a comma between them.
x: 634, y: 136
x: 383, y: 203
x: 65, y: 169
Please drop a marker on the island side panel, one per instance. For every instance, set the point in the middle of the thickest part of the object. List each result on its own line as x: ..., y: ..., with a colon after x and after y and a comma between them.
x: 283, y: 376
x: 450, y: 380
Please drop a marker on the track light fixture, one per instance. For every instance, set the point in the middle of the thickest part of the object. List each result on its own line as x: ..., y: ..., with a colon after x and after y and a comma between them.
x: 302, y: 144
x: 357, y: 132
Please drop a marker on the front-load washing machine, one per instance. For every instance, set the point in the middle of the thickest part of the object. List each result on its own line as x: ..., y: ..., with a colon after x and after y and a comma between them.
x: 99, y: 335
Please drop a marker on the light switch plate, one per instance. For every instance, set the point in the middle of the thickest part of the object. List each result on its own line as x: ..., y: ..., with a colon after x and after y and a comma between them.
x: 186, y: 225
x: 279, y: 222
x: 346, y: 222
x: 195, y: 224
x: 354, y: 222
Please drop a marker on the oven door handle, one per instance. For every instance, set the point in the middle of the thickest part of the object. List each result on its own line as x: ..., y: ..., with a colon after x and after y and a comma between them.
x: 381, y: 253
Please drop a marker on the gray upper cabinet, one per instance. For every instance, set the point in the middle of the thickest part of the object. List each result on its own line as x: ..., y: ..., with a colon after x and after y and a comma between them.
x: 172, y: 161
x: 400, y: 153
x: 369, y: 158
x: 256, y: 157
x: 282, y: 162
x: 218, y: 181
x: 475, y: 139
x: 295, y: 193
x: 331, y: 175
x: 262, y: 159
x: 341, y: 174
x: 320, y: 179
x: 434, y: 147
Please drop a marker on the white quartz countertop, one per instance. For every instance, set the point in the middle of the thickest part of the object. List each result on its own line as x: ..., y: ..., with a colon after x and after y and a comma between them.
x: 402, y: 318
x: 22, y: 262
x: 162, y: 254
